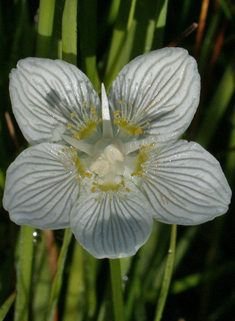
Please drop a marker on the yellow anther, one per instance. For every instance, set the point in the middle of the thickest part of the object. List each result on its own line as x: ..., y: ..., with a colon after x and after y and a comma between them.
x: 60, y: 160
x: 127, y: 189
x: 130, y: 104
x: 88, y: 174
x: 116, y: 112
x: 120, y: 102
x: 58, y: 153
x: 95, y: 113
x: 72, y: 115
x: 115, y: 122
x: 84, y: 103
x: 110, y: 199
x: 93, y: 189
x: 144, y: 111
x: 63, y: 150
x: 91, y: 106
x: 148, y: 123
x: 95, y: 183
x: 100, y: 119
x: 138, y: 131
x: 77, y: 179
x: 74, y: 149
x: 69, y: 126
x: 123, y: 183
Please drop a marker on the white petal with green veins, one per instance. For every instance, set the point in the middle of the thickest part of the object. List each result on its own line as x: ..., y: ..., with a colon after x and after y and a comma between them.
x: 156, y: 93
x: 39, y: 190
x: 113, y: 225
x: 185, y: 185
x: 44, y: 94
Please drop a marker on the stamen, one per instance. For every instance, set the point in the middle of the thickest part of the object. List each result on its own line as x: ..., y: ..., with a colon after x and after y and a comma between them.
x: 78, y: 144
x: 107, y: 126
x: 130, y: 147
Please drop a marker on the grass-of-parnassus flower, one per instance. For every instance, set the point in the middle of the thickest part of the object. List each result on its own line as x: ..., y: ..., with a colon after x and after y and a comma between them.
x: 107, y: 168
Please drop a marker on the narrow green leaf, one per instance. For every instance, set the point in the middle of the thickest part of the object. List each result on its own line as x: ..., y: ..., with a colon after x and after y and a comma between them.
x: 45, y: 28
x: 7, y: 305
x: 121, y: 29
x: 69, y: 32
x: 167, y: 275
x: 24, y: 273
x: 87, y: 12
x: 75, y: 294
x: 161, y: 14
x: 57, y: 283
x: 41, y: 281
x: 217, y: 107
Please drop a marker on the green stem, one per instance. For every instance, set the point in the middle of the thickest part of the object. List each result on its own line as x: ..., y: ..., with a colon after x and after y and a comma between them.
x: 24, y: 273
x: 116, y: 281
x: 167, y: 275
x: 45, y: 27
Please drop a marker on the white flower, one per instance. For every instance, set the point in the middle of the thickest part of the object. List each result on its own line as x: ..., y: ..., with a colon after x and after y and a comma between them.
x: 107, y: 172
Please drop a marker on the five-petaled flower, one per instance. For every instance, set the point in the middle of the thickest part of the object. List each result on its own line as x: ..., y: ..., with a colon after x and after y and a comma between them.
x: 106, y: 169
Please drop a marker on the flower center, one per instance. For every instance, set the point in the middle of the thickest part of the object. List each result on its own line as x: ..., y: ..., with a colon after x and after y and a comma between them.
x: 108, y: 157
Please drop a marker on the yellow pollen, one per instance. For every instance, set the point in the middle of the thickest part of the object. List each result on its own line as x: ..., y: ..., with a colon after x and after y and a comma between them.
x: 116, y: 112
x: 120, y: 102
x: 93, y: 189
x: 115, y: 122
x: 130, y: 104
x: 84, y: 103
x: 127, y: 189
x: 110, y: 199
x: 72, y: 115
x: 95, y: 183
x: 74, y: 149
x: 123, y: 183
x: 100, y: 120
x: 91, y: 106
x: 60, y: 160
x: 95, y: 113
x: 63, y: 149
x: 58, y: 153
x: 148, y: 123
x: 96, y: 199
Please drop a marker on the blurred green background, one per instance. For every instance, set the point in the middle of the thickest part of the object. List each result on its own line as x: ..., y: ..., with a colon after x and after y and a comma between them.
x: 109, y: 34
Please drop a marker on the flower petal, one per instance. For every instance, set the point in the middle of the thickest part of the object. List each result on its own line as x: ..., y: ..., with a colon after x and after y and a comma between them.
x: 185, y: 185
x: 44, y: 94
x: 109, y: 227
x: 39, y: 191
x: 158, y: 92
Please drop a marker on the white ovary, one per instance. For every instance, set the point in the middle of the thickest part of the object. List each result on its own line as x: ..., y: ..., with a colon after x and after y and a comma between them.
x: 110, y: 160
